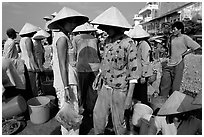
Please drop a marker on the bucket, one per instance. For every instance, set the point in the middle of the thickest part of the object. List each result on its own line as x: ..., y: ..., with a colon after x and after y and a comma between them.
x: 139, y: 111
x: 145, y: 124
x: 39, y: 109
x: 13, y: 107
x: 47, y: 88
x: 52, y: 101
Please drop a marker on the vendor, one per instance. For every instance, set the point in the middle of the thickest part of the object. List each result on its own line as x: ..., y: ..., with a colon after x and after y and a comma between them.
x: 180, y: 115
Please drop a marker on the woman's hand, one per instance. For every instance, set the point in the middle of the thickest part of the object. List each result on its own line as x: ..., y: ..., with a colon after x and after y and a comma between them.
x: 128, y: 102
x: 142, y: 80
x: 66, y: 94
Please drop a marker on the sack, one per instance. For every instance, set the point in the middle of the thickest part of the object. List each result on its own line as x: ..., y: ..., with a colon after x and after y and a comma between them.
x: 98, y: 82
x: 68, y: 117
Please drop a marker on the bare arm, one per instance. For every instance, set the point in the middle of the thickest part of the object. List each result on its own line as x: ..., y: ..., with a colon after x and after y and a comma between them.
x: 62, y: 47
x: 191, y: 44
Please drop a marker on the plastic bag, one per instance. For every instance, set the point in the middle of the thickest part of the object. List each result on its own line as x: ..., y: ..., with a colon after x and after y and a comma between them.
x: 68, y: 117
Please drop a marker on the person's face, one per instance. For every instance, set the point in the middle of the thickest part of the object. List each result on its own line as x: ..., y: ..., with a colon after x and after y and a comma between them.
x: 166, y: 29
x: 176, y: 31
x: 69, y: 26
x: 174, y: 118
x: 109, y: 30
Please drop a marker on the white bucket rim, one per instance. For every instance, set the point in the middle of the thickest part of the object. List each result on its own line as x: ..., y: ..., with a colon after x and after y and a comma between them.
x: 52, y: 97
x: 41, y: 104
x: 144, y: 105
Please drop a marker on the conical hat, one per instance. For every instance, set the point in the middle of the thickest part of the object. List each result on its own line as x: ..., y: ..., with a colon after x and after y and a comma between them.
x: 158, y: 40
x: 47, y: 18
x: 54, y: 14
x: 178, y: 102
x: 41, y: 34
x: 65, y: 13
x: 28, y: 28
x: 112, y: 17
x: 138, y: 32
x: 46, y: 28
x: 198, y: 99
x: 84, y: 27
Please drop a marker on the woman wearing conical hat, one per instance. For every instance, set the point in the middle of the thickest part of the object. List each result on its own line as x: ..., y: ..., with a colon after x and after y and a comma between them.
x: 119, y: 72
x: 87, y: 63
x: 140, y: 36
x: 181, y: 114
x: 65, y: 77
x: 27, y: 54
x: 39, y: 50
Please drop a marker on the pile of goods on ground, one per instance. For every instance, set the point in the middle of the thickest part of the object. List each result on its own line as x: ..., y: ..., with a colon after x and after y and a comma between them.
x: 192, y: 76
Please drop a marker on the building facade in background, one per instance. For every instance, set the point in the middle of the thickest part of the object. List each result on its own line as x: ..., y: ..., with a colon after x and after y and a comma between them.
x: 154, y: 14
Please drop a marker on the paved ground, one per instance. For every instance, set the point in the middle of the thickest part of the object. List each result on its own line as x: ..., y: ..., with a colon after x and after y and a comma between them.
x: 52, y: 127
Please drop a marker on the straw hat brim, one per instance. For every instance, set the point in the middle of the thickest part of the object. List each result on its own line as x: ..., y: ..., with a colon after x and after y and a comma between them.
x: 90, y: 30
x: 112, y: 17
x: 54, y: 14
x: 41, y: 35
x: 84, y: 28
x: 138, y: 32
x: 28, y: 28
x: 79, y: 20
x: 157, y: 40
x: 47, y: 18
x: 66, y: 13
x: 177, y: 103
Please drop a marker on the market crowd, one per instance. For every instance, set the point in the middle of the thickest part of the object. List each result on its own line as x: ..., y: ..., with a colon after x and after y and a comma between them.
x: 107, y: 69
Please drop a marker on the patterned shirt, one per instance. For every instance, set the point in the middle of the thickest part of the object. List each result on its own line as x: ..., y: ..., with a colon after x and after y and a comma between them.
x: 119, y: 63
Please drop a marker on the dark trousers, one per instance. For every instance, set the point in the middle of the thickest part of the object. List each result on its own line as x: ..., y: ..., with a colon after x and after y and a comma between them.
x: 140, y: 92
x: 171, y: 79
x: 33, y: 82
x: 87, y: 95
x: 36, y: 78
